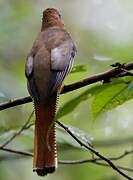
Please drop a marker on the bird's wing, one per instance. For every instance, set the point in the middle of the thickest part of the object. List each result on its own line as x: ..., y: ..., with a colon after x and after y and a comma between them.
x: 60, y: 65
x: 29, y: 67
x: 62, y: 61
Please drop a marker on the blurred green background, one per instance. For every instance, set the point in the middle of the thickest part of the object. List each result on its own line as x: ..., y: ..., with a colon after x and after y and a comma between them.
x: 103, y: 32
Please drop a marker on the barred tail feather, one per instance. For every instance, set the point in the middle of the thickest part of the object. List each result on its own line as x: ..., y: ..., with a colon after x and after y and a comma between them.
x: 45, y: 155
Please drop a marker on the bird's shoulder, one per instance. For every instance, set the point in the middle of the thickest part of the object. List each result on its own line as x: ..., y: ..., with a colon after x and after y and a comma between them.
x: 54, y: 37
x: 51, y: 38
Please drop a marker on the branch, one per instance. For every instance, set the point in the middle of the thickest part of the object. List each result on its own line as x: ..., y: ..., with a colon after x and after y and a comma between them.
x: 96, y: 159
x: 109, y: 162
x: 113, y: 73
x: 15, y: 102
x: 93, y: 160
x: 120, y: 167
x: 68, y: 162
x: 16, y: 151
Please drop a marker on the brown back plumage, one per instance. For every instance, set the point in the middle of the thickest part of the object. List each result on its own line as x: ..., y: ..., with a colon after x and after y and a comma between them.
x: 45, y: 77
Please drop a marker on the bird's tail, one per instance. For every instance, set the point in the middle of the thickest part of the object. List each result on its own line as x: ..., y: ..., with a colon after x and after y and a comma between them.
x: 45, y: 155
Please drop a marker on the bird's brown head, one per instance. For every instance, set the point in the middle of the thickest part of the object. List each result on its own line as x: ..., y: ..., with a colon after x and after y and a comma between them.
x: 51, y: 17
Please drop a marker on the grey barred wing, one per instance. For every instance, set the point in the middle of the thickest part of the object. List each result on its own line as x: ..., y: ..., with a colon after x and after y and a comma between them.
x: 62, y: 61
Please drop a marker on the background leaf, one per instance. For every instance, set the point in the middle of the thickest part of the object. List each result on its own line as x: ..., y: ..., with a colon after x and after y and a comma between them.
x: 70, y: 105
x: 109, y: 96
x: 104, y: 97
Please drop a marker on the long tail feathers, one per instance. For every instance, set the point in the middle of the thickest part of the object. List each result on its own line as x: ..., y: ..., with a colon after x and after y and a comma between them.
x: 45, y: 155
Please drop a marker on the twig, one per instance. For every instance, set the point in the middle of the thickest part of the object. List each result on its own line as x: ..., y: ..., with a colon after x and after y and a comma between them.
x: 123, y: 155
x: 16, y: 151
x: 127, y: 72
x: 110, y: 163
x: 113, y: 73
x: 19, y: 132
x: 120, y: 167
x: 77, y: 162
x: 96, y: 159
x: 72, y: 162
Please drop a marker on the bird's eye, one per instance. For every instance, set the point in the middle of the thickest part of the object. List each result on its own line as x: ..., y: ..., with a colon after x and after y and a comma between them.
x: 59, y: 15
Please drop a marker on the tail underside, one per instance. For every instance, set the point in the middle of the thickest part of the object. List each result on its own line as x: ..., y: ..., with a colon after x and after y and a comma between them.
x: 45, y: 155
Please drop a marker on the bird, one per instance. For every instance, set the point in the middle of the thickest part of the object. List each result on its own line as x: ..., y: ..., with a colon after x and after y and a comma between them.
x: 48, y: 63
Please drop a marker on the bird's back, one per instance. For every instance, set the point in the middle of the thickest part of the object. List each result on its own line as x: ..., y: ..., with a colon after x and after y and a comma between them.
x: 44, y: 77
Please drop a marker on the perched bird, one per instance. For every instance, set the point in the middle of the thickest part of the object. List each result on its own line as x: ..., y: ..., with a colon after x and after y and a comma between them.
x: 48, y: 63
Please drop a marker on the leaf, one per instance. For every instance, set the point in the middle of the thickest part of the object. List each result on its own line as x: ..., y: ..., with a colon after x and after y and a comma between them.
x: 63, y: 138
x: 79, y: 68
x: 109, y: 96
x: 104, y: 97
x: 69, y: 106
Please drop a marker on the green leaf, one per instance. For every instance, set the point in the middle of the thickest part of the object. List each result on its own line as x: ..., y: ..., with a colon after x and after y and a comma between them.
x: 104, y: 97
x: 109, y: 96
x: 69, y: 106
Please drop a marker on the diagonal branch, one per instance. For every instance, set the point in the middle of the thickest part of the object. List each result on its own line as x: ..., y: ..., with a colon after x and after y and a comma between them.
x: 109, y: 162
x: 93, y: 160
x: 113, y: 73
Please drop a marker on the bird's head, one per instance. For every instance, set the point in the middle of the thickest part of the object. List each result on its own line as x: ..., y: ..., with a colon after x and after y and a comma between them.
x: 51, y: 17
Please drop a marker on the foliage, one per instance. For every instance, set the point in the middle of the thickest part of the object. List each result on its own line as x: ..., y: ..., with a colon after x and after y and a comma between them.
x: 104, y: 97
